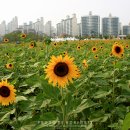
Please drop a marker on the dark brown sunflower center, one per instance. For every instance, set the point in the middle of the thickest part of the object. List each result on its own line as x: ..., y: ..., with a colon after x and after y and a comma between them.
x: 10, y: 65
x: 118, y: 49
x: 94, y: 49
x: 4, y: 91
x: 61, y: 69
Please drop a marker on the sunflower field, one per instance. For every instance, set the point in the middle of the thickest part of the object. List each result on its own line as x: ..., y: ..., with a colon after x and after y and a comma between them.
x: 69, y: 85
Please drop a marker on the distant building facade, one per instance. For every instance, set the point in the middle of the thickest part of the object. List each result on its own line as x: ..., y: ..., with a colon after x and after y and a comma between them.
x: 12, y: 25
x: 110, y: 26
x: 79, y: 29
x: 126, y: 30
x: 48, y: 28
x: 3, y: 28
x: 36, y: 27
x: 67, y: 26
x: 90, y: 25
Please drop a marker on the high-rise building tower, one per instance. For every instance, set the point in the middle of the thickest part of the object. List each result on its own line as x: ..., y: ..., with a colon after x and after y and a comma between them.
x: 3, y: 28
x: 126, y: 29
x: 12, y: 25
x: 110, y: 26
x: 48, y: 29
x: 90, y: 25
x: 68, y: 26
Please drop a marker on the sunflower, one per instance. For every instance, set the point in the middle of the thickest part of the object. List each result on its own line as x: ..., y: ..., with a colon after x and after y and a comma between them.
x: 127, y: 46
x: 65, y: 53
x: 101, y: 47
x: 94, y: 49
x: 78, y: 47
x: 55, y: 44
x: 31, y: 45
x: 61, y: 70
x: 23, y: 35
x: 96, y: 56
x: 117, y: 50
x: 9, y: 66
x: 7, y: 93
x: 6, y: 40
x: 85, y: 65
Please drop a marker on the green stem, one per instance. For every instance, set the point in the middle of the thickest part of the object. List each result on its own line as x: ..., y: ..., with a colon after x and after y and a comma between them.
x: 113, y: 92
x: 113, y: 86
x: 47, y: 52
x: 63, y: 108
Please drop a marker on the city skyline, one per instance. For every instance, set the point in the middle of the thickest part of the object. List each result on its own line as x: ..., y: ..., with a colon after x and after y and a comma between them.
x: 58, y: 9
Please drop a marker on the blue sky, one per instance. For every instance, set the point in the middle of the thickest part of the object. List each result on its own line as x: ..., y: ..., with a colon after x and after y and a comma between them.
x: 55, y: 10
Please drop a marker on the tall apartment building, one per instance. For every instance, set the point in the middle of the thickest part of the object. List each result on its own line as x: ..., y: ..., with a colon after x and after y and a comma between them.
x: 79, y: 29
x: 38, y: 26
x: 3, y: 28
x: 48, y: 28
x: 68, y: 26
x: 110, y: 26
x: 12, y: 25
x: 58, y: 29
x: 90, y: 25
x: 126, y: 29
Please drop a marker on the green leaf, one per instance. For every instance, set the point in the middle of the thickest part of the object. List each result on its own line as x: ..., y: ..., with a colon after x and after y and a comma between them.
x: 20, y: 98
x: 27, y: 75
x: 27, y: 127
x: 8, y: 76
x: 84, y: 104
x: 126, y: 123
x: 7, y: 115
x: 31, y: 90
x: 48, y: 116
x: 45, y: 102
x: 102, y: 93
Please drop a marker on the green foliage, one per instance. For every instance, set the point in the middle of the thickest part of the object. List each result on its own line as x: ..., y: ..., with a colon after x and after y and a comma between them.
x: 98, y: 100
x: 16, y: 37
x: 47, y: 40
x: 126, y: 123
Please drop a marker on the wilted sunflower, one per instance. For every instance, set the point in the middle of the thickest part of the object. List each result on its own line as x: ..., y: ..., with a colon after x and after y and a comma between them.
x: 7, y: 93
x: 61, y: 70
x: 94, y: 49
x: 117, y: 50
x: 6, y: 40
x: 23, y: 35
x: 9, y: 66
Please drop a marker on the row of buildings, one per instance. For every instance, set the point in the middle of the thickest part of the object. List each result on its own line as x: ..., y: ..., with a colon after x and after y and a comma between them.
x: 90, y: 25
x: 37, y: 27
